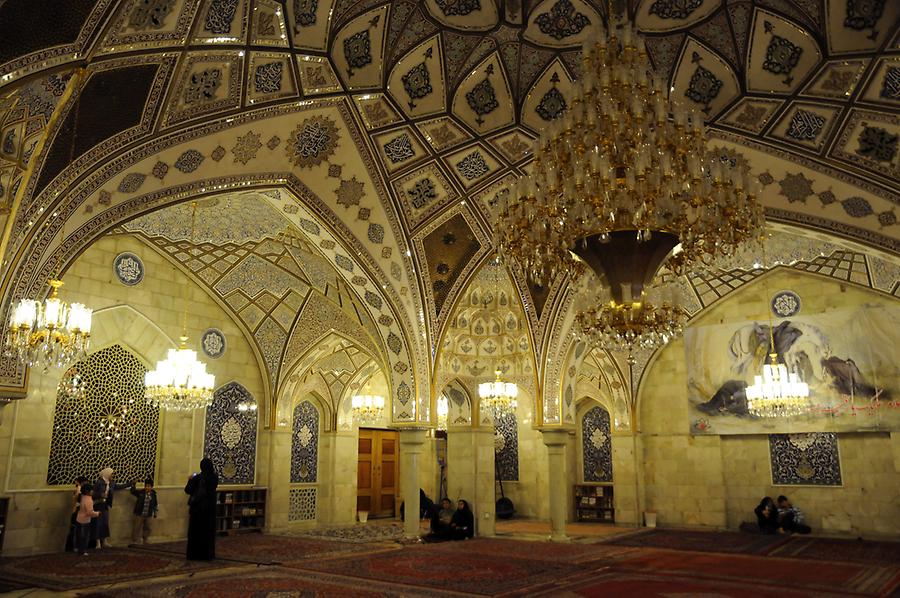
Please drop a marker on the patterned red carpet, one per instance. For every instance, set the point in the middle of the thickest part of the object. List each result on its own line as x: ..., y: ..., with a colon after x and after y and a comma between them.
x: 277, y: 566
x: 69, y: 570
x: 731, y: 542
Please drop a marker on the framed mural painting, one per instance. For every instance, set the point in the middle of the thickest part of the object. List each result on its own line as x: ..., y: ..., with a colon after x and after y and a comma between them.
x: 848, y: 358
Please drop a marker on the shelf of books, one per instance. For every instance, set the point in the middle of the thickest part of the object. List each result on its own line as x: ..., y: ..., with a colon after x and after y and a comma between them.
x: 594, y: 502
x: 240, y: 510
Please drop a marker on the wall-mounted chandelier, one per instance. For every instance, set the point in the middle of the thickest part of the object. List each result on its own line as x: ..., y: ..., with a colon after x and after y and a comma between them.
x: 180, y: 382
x: 498, y: 398
x: 621, y: 184
x: 368, y: 408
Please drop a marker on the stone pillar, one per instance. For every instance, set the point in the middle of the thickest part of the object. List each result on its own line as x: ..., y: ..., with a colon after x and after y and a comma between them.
x: 338, y: 460
x: 556, y: 440
x: 279, y: 478
x: 412, y: 444
x: 470, y: 456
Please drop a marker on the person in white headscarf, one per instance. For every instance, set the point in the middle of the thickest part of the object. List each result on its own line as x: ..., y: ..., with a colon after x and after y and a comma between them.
x: 103, y: 501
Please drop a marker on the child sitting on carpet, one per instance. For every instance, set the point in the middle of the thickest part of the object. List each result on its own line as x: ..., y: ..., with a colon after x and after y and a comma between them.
x: 790, y: 517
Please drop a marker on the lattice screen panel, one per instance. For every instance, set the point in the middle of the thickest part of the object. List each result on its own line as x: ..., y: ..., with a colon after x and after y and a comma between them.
x: 303, y: 504
x: 111, y: 425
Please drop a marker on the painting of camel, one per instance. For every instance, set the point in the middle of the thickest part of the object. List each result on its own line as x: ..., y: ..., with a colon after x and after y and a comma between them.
x: 846, y: 356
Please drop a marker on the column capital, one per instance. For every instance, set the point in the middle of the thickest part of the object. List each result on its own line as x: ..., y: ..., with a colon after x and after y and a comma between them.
x: 413, y: 435
x: 555, y: 436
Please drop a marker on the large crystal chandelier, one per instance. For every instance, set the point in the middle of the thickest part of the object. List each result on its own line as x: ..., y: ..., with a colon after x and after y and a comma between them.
x: 498, y: 398
x: 778, y: 392
x: 623, y: 183
x: 180, y: 382
x: 49, y: 332
x: 367, y: 408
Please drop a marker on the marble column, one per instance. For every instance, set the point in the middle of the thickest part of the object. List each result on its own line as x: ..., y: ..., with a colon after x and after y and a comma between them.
x: 337, y: 476
x: 470, y: 458
x: 556, y: 440
x: 279, y: 478
x: 412, y: 444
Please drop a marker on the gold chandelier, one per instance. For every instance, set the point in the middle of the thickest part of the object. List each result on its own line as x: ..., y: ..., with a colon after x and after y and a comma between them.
x: 180, y: 382
x: 623, y: 183
x: 367, y: 408
x: 498, y: 397
x: 49, y: 333
x: 778, y: 392
x: 443, y: 412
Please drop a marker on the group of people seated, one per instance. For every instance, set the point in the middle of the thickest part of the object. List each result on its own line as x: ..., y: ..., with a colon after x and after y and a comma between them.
x: 447, y: 523
x: 780, y: 517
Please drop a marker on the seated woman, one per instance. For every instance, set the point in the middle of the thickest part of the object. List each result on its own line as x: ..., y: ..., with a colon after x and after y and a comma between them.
x: 767, y: 516
x: 462, y: 524
x: 440, y: 520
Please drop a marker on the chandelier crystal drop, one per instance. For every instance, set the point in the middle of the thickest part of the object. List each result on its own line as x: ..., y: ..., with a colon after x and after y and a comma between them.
x: 367, y: 408
x: 498, y: 397
x: 179, y: 382
x: 50, y: 332
x: 622, y: 184
x: 778, y: 392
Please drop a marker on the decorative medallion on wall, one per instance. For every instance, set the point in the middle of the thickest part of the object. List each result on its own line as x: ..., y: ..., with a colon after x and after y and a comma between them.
x: 230, y: 438
x: 506, y: 445
x: 805, y: 459
x: 596, y: 445
x: 302, y: 504
x: 129, y: 268
x: 305, y: 444
x: 213, y: 343
x: 109, y: 425
x: 785, y: 304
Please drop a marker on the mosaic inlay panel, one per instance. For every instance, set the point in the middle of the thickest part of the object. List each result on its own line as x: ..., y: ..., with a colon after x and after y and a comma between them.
x: 109, y: 424
x: 805, y: 459
x: 302, y: 504
x: 506, y: 445
x: 305, y: 444
x: 213, y: 343
x: 230, y: 438
x: 596, y: 445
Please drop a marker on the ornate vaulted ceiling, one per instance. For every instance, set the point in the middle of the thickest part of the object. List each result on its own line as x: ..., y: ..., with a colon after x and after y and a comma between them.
x: 391, y: 126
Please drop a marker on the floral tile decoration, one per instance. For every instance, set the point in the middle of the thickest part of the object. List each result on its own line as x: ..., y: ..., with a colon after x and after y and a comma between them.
x: 805, y: 459
x: 596, y: 445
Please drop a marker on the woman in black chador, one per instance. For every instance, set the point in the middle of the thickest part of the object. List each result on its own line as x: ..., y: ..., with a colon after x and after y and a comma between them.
x: 201, y: 542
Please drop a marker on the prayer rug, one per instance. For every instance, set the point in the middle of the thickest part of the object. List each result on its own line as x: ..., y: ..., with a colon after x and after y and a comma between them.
x: 767, y: 571
x: 828, y: 549
x: 68, y: 570
x: 729, y: 542
x: 482, y: 574
x: 265, y: 549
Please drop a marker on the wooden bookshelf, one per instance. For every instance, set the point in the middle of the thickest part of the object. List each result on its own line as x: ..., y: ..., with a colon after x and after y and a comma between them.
x: 594, y: 502
x: 240, y: 510
x: 4, y: 508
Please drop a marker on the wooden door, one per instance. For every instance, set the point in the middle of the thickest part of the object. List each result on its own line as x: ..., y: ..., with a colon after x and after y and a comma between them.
x: 377, y: 471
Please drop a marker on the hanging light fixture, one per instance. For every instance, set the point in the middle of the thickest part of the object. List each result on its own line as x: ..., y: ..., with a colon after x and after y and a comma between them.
x: 50, y: 332
x: 622, y: 184
x: 367, y: 408
x: 777, y: 392
x: 443, y: 412
x: 498, y: 397
x: 180, y: 382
